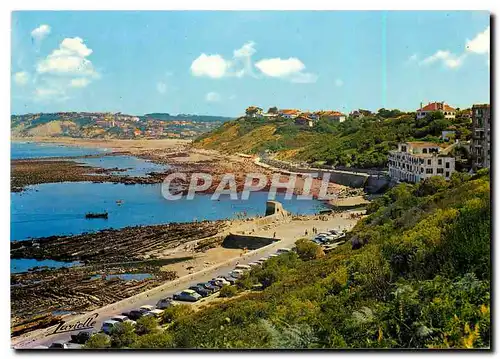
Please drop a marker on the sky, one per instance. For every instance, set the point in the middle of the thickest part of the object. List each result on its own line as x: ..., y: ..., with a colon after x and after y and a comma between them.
x: 220, y: 62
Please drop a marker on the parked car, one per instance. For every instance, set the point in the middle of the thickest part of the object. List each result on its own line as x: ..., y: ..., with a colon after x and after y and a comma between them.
x: 123, y: 319
x: 230, y: 279
x: 273, y: 255
x: 222, y: 280
x: 187, y: 295
x: 135, y: 314
x: 210, y: 287
x: 215, y: 283
x: 82, y: 337
x: 236, y: 273
x: 164, y: 303
x: 243, y: 267
x: 254, y: 264
x: 147, y: 307
x: 108, y: 325
x: 58, y: 345
x: 200, y: 290
x: 41, y: 347
x: 262, y: 260
x: 155, y: 313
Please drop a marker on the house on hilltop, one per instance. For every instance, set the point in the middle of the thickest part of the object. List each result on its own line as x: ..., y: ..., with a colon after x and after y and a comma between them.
x: 253, y: 111
x: 331, y: 115
x: 304, y: 121
x: 289, y: 113
x: 448, y: 111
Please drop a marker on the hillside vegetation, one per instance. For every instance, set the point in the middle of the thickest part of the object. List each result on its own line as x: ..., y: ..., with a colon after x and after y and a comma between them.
x: 415, y: 273
x: 357, y: 142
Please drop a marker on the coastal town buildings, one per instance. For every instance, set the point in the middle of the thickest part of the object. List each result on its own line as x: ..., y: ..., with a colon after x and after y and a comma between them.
x: 254, y: 111
x: 481, y: 140
x: 289, y: 113
x: 304, y: 121
x: 415, y: 161
x: 448, y: 111
x: 332, y: 116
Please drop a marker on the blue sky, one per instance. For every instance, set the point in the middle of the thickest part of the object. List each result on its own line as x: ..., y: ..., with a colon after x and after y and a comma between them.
x: 220, y: 62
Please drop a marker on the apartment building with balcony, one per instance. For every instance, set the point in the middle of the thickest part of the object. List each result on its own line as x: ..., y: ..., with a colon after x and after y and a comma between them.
x: 481, y: 137
x: 415, y: 161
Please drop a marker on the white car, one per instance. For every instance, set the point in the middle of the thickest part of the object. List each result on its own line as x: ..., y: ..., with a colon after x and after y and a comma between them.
x: 147, y: 307
x: 273, y: 255
x: 243, y: 267
x: 155, y: 313
x: 223, y: 281
x: 254, y: 264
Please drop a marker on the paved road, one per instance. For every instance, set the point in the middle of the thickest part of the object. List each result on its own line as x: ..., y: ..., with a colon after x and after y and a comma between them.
x: 288, y: 233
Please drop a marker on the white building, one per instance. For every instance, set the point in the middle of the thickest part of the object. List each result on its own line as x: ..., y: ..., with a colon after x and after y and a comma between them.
x: 415, y: 161
x: 448, y: 111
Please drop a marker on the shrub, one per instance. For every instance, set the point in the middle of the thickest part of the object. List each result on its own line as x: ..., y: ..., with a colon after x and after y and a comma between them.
x: 308, y: 250
x: 123, y: 335
x: 228, y: 291
x: 175, y: 312
x: 146, y: 325
x: 98, y: 341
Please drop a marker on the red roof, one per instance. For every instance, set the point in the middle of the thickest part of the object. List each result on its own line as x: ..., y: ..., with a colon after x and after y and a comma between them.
x: 436, y: 106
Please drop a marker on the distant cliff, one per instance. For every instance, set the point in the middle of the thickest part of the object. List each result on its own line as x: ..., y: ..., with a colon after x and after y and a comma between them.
x: 109, y: 125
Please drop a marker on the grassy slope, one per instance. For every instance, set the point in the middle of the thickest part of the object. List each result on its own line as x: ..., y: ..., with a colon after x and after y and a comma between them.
x: 360, y: 143
x: 421, y: 280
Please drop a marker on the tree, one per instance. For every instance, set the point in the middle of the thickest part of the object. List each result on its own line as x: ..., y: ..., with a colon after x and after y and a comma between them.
x: 146, y: 325
x: 123, y: 335
x: 98, y: 341
x: 273, y: 109
x: 308, y: 250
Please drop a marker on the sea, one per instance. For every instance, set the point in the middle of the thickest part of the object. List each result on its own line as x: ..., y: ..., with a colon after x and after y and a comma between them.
x: 59, y: 208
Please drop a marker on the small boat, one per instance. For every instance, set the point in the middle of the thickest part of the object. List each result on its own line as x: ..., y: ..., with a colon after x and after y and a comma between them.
x: 97, y: 215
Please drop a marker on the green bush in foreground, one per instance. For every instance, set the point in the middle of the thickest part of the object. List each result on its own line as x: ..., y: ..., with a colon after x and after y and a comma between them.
x: 228, y: 291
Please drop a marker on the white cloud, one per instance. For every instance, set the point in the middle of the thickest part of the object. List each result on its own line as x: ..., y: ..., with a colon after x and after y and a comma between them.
x: 278, y: 67
x: 79, y: 82
x: 448, y: 59
x: 212, y: 97
x: 70, y: 58
x: 213, y: 66
x: 339, y: 83
x: 40, y: 32
x: 480, y: 44
x: 241, y: 64
x: 246, y: 50
x: 161, y: 87
x: 64, y: 70
x: 291, y: 69
x: 21, y: 78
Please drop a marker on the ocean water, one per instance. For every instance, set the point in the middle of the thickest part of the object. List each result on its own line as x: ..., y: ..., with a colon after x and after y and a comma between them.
x: 60, y: 208
x: 42, y: 150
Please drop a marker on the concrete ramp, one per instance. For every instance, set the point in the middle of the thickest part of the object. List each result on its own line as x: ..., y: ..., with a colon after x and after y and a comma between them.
x: 275, y: 208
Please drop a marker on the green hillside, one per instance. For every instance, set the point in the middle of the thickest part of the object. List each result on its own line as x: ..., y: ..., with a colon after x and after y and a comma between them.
x: 361, y: 143
x: 415, y: 273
